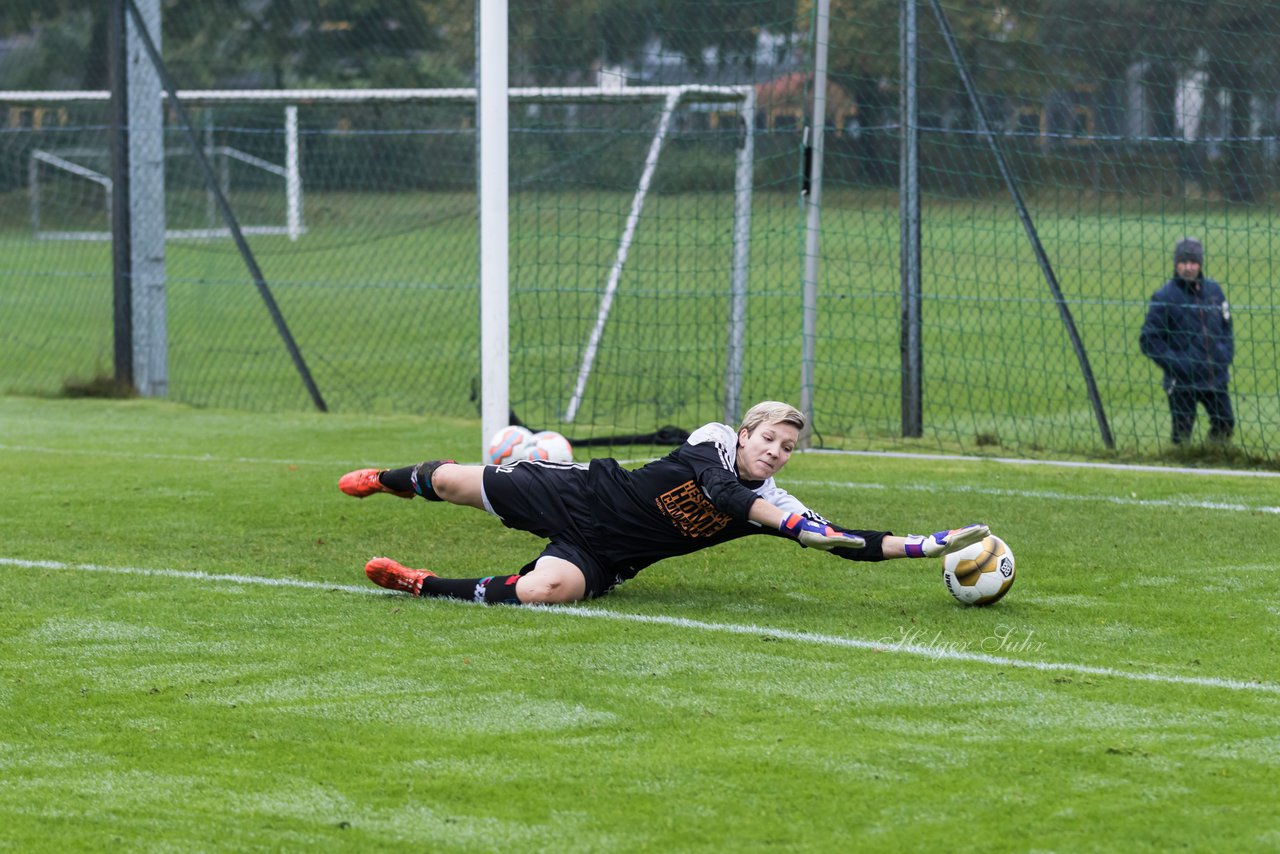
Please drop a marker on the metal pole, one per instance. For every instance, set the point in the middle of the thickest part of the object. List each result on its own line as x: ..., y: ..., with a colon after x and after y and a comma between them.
x: 33, y: 191
x: 492, y: 123
x: 909, y: 228
x: 122, y: 310
x: 813, y: 218
x: 211, y: 205
x: 292, y: 173
x: 743, y: 181
x: 146, y: 200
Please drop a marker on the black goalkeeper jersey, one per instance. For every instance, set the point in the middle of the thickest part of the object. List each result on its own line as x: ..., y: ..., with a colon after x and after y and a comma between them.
x: 688, y: 500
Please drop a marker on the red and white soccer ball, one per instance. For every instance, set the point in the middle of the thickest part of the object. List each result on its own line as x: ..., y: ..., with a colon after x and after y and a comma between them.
x: 979, y: 574
x: 549, y: 446
x: 504, y: 446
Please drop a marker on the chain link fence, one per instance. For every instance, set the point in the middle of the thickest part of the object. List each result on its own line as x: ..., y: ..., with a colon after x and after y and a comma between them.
x: 1118, y: 128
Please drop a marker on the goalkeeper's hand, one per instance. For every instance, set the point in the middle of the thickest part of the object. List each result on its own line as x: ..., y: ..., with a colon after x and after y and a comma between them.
x: 818, y: 535
x: 945, y: 542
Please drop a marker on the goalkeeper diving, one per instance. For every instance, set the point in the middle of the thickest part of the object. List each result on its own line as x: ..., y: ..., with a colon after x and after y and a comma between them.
x: 604, y: 523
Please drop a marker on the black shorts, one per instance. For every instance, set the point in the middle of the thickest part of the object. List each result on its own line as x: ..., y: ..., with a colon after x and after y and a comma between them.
x: 550, y: 500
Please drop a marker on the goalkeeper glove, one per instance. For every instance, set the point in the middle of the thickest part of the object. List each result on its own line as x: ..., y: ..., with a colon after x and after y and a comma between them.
x: 818, y: 535
x: 945, y: 542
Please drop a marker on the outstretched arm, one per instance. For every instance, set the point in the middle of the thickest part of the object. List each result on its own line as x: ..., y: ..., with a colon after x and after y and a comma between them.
x: 766, y: 515
x: 805, y: 531
x: 821, y: 535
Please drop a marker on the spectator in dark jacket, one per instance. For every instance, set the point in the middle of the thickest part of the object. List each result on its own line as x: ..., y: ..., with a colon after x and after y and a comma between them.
x: 1188, y: 334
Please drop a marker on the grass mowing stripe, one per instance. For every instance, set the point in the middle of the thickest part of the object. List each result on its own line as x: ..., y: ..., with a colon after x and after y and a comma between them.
x: 181, y: 458
x: 1047, y: 495
x: 917, y: 487
x: 936, y: 653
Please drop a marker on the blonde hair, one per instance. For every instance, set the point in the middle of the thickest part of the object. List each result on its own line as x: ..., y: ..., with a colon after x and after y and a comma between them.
x: 772, y: 412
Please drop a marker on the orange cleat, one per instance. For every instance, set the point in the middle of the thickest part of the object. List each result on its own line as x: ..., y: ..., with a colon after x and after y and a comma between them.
x: 364, y: 482
x: 385, y: 572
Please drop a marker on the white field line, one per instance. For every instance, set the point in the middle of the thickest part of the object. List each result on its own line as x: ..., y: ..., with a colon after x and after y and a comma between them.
x: 937, y: 653
x: 1188, y: 504
x: 210, y: 458
x: 1049, y: 495
x: 192, y: 575
x: 905, y: 455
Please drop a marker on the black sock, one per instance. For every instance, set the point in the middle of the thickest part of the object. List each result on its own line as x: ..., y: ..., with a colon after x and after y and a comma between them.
x: 494, y: 590
x: 415, y: 479
x: 398, y: 479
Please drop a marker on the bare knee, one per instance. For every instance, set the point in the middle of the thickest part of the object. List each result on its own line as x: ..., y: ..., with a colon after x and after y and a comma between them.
x: 444, y: 481
x: 458, y: 484
x: 546, y: 592
x: 552, y: 582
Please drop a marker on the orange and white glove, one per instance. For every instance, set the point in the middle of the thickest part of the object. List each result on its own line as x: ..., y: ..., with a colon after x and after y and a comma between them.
x: 818, y: 535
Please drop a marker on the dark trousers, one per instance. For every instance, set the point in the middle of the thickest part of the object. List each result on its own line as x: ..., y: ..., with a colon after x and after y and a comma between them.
x: 1216, y: 402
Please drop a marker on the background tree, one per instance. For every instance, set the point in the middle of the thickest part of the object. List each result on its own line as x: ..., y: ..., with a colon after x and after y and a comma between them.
x: 254, y: 43
x: 65, y: 45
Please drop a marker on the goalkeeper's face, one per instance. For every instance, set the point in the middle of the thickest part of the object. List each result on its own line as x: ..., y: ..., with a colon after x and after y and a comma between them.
x: 763, y: 453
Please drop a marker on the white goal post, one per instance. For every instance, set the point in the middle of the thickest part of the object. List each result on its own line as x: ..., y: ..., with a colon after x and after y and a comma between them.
x: 71, y: 162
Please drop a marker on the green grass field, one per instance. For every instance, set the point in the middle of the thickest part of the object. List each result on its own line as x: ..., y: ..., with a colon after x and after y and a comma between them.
x: 192, y: 660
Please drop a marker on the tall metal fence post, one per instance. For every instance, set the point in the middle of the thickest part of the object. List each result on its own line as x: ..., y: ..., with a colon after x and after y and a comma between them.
x: 492, y: 179
x: 146, y: 200
x: 813, y: 217
x: 121, y: 273
x: 743, y: 179
x: 909, y: 228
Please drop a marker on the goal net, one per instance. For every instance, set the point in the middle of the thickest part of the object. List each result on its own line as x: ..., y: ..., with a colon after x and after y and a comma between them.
x: 629, y: 265
x: 70, y: 187
x: 630, y: 216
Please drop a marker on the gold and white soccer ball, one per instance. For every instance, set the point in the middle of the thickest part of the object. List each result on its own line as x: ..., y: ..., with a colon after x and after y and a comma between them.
x: 979, y: 574
x: 505, y: 444
x: 547, y: 445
